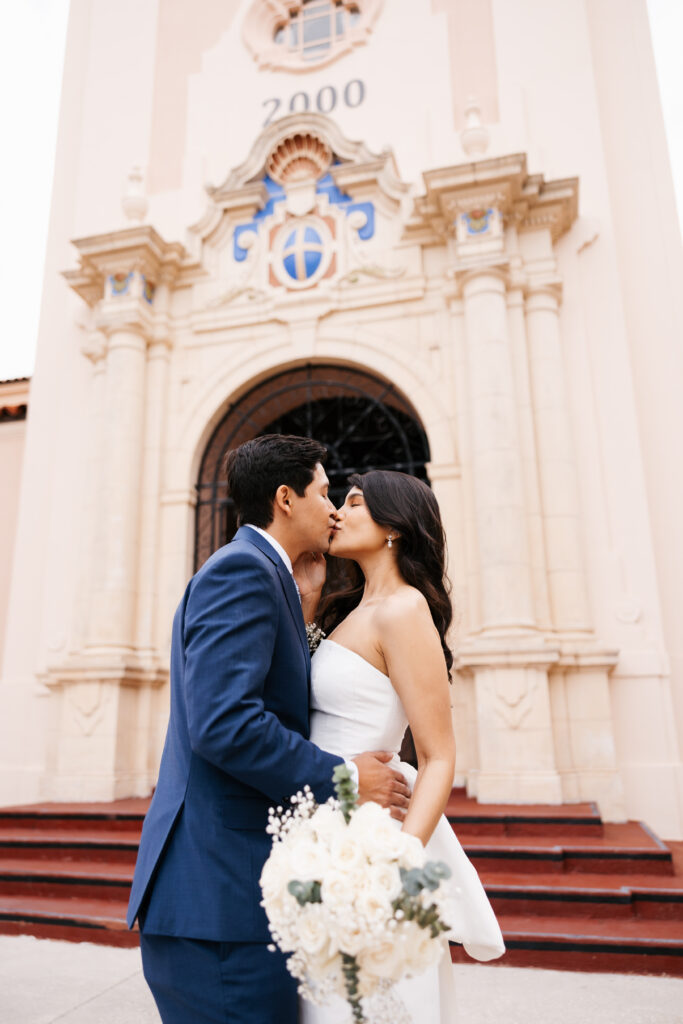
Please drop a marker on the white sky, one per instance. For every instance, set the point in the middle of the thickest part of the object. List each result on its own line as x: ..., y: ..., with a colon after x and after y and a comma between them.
x: 31, y: 56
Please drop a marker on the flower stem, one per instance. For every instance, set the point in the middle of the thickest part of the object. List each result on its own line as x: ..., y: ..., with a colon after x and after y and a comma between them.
x: 345, y: 789
x: 351, y: 970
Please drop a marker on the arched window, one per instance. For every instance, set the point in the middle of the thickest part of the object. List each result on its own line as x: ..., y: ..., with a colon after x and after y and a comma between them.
x: 364, y: 422
x: 316, y: 27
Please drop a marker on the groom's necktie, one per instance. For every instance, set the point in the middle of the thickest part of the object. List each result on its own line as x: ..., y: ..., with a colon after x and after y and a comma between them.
x: 296, y: 585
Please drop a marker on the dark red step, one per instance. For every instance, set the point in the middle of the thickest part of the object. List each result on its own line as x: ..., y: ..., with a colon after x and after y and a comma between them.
x: 569, y: 891
x: 467, y: 816
x: 586, y: 896
x: 630, y: 848
x: 66, y: 880
x: 572, y: 944
x: 77, y: 920
x: 100, y: 845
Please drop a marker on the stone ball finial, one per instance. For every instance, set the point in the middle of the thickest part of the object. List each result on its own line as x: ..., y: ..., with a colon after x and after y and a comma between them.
x: 134, y: 201
x: 474, y: 136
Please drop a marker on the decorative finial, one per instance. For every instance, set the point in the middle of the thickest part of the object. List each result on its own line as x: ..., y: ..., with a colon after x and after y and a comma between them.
x: 134, y: 201
x: 474, y: 136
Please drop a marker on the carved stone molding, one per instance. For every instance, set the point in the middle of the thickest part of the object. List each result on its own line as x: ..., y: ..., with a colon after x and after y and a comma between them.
x: 122, y: 669
x: 316, y: 126
x: 119, y: 264
x: 469, y: 197
x: 265, y: 17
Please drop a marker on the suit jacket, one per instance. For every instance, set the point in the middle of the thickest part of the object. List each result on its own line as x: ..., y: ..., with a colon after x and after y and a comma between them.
x: 237, y: 743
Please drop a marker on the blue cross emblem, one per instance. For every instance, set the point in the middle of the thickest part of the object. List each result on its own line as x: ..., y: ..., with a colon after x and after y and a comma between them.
x: 302, y: 253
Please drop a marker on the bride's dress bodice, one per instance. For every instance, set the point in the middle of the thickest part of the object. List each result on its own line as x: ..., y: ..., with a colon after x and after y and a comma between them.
x: 354, y: 707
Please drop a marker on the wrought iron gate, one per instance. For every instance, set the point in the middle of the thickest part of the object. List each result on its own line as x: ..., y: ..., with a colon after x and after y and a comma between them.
x: 362, y: 420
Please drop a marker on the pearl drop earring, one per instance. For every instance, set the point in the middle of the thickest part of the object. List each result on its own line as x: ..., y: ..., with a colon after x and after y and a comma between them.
x: 390, y: 540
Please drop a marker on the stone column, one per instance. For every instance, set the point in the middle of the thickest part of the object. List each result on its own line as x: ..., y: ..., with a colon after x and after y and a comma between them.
x: 101, y: 747
x: 580, y: 686
x: 113, y: 608
x: 506, y: 596
x: 158, y: 357
x: 556, y: 463
x: 520, y: 359
x: 508, y: 659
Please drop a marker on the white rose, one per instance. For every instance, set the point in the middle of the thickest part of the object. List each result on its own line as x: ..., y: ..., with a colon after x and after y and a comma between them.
x: 349, y: 937
x: 336, y: 890
x: 425, y: 951
x: 386, y: 960
x: 276, y: 873
x: 377, y: 829
x: 327, y: 822
x: 373, y: 906
x: 348, y: 853
x: 384, y: 879
x: 313, y: 931
x: 309, y: 859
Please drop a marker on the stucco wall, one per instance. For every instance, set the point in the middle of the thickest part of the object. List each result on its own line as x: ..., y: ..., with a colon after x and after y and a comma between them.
x: 572, y: 86
x: 12, y: 437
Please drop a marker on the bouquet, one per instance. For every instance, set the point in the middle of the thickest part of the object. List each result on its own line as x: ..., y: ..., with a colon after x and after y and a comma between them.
x: 352, y: 899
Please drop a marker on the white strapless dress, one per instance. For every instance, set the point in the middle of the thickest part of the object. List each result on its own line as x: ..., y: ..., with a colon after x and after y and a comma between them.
x: 355, y: 708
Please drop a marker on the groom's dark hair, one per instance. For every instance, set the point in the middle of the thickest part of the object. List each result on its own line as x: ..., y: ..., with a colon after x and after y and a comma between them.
x: 257, y: 468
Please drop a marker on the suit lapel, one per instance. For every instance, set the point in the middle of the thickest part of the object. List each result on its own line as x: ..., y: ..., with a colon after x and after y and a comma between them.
x: 294, y: 607
x: 244, y: 533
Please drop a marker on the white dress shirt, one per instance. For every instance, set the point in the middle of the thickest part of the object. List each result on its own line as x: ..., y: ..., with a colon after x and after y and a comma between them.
x: 353, y: 768
x: 275, y: 543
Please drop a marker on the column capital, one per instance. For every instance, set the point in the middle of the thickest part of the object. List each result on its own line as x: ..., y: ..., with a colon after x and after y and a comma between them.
x: 123, y: 264
x: 470, y: 205
x: 543, y: 294
x: 483, y: 277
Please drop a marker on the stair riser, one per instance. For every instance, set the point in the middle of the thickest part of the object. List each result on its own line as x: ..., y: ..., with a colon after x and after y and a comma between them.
x: 514, y: 864
x: 554, y: 906
x: 71, y: 933
x: 70, y: 823
x: 619, y: 865
x: 605, y: 961
x: 66, y: 853
x: 661, y: 910
x: 65, y: 890
x: 525, y: 828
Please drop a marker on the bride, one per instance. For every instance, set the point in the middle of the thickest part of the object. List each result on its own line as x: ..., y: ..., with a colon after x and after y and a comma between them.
x: 386, y: 665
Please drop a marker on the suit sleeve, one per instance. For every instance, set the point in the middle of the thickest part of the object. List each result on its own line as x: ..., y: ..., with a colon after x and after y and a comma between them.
x: 231, y: 622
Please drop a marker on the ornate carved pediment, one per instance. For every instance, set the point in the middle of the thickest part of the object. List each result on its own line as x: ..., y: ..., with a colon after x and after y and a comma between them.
x: 307, y: 207
x: 297, y: 151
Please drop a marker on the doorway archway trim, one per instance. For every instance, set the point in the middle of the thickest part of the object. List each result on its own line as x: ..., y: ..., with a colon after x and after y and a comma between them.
x: 420, y: 388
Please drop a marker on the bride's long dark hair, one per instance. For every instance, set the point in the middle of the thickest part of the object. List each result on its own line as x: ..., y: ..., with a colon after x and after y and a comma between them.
x: 406, y: 505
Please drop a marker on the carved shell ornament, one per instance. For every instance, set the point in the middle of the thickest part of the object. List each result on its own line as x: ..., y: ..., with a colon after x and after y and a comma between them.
x: 300, y: 157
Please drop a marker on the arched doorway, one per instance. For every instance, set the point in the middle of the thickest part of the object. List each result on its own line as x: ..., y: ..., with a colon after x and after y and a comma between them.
x: 364, y: 422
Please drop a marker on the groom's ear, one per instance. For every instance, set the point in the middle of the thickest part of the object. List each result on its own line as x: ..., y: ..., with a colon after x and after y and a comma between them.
x: 283, y: 500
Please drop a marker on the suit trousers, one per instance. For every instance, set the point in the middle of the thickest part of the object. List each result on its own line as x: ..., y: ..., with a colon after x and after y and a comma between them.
x: 195, y: 981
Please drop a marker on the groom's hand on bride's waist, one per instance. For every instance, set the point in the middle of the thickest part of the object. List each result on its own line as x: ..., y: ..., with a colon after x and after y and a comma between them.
x: 379, y: 782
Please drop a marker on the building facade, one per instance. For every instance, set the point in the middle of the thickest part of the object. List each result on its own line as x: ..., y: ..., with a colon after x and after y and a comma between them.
x: 440, y: 236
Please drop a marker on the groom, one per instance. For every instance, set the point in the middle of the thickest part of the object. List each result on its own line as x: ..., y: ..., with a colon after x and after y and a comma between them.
x: 236, y: 745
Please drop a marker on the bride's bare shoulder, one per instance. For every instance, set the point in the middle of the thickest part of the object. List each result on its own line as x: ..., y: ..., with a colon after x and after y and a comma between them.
x: 405, y: 605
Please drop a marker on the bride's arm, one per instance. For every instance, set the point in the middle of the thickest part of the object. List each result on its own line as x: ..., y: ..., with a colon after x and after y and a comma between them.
x: 417, y: 669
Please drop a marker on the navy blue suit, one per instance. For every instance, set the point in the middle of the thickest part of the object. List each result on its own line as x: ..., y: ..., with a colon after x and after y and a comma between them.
x: 236, y: 745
